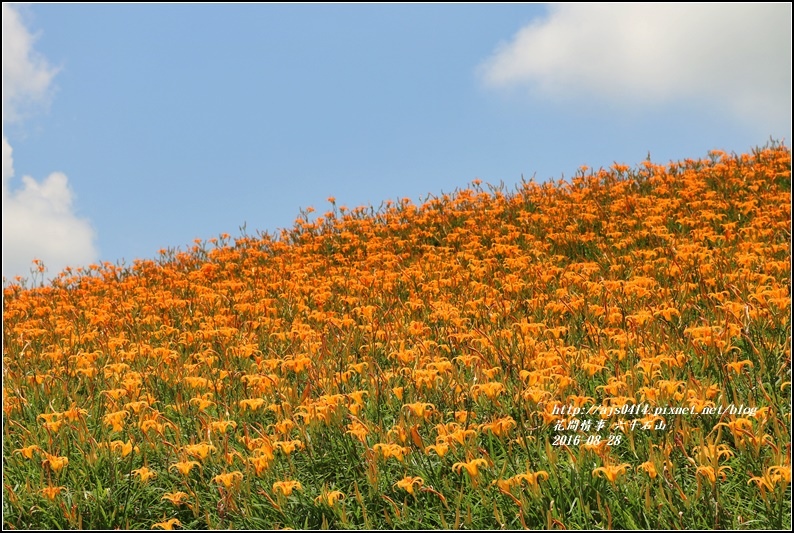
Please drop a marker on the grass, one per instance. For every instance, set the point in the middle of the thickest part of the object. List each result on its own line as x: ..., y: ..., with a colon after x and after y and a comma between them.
x: 418, y: 366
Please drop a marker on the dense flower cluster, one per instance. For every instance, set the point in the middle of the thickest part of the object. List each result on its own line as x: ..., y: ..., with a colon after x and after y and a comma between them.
x: 412, y: 353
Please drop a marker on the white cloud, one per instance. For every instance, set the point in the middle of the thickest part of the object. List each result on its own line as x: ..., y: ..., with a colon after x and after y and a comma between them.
x: 38, y: 218
x: 26, y: 75
x: 736, y: 57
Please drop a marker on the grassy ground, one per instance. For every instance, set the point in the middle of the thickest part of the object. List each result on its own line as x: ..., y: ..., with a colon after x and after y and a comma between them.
x: 610, y: 352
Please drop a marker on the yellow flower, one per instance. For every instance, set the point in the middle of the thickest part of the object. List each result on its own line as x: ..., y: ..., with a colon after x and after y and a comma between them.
x: 119, y: 446
x: 55, y: 462
x: 357, y: 397
x: 764, y: 483
x: 201, y: 403
x: 612, y: 472
x: 712, y: 453
x: 252, y: 404
x: 780, y: 473
x: 649, y: 467
x: 286, y: 487
x: 772, y: 476
x: 533, y: 478
x: 115, y: 394
x: 500, y: 427
x: 222, y: 425
x: 200, y: 451
x: 177, y: 498
x: 151, y: 424
x: 144, y: 473
x: 136, y: 406
x: 534, y: 394
x: 284, y: 427
x: 712, y: 473
x: 459, y: 436
x: 49, y: 417
x: 329, y: 498
x: 261, y: 463
x: 471, y: 467
x: 289, y: 446
x: 491, y: 390
x: 28, y: 451
x: 184, y: 467
x: 168, y: 524
x: 54, y: 426
x: 440, y: 449
x: 228, y: 479
x: 667, y: 313
x: 613, y: 387
x: 116, y: 420
x: 737, y: 366
x: 52, y: 492
x: 407, y: 483
x: 391, y: 450
x: 74, y: 413
x: 464, y: 416
x: 420, y: 409
x: 358, y: 430
x: 506, y: 484
x: 196, y: 383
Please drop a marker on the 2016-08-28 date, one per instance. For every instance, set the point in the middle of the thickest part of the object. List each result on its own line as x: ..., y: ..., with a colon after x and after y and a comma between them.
x: 595, y: 440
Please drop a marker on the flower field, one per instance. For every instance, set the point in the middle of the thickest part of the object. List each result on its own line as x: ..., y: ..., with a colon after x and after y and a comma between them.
x: 612, y: 351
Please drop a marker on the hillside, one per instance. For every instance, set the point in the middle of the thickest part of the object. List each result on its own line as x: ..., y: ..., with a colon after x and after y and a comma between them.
x: 612, y: 351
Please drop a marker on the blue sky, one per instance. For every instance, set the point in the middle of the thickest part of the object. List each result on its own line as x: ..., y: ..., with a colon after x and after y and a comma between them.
x: 128, y: 128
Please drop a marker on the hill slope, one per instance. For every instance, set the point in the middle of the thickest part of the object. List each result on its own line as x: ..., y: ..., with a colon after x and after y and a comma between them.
x: 609, y: 352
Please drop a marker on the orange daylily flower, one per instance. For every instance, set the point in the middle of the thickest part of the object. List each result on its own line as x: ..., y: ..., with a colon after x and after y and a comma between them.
x: 491, y: 390
x: 145, y: 474
x: 534, y: 478
x: 358, y: 430
x: 260, y: 463
x: 124, y: 448
x: 286, y: 487
x: 200, y: 451
x: 284, y: 427
x: 611, y: 472
x: 221, y: 426
x: 52, y: 492
x: 116, y: 419
x: 184, y: 467
x: 471, y: 467
x: 649, y: 468
x: 420, y: 409
x: 500, y: 427
x: 177, y: 498
x: 391, y: 450
x: 773, y: 476
x: 228, y: 479
x: 329, y: 498
x: 252, y: 404
x: 28, y: 451
x: 736, y: 366
x: 712, y: 473
x: 408, y: 482
x: 440, y: 449
x: 201, y: 403
x: 54, y: 462
x: 167, y: 524
x: 289, y: 446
